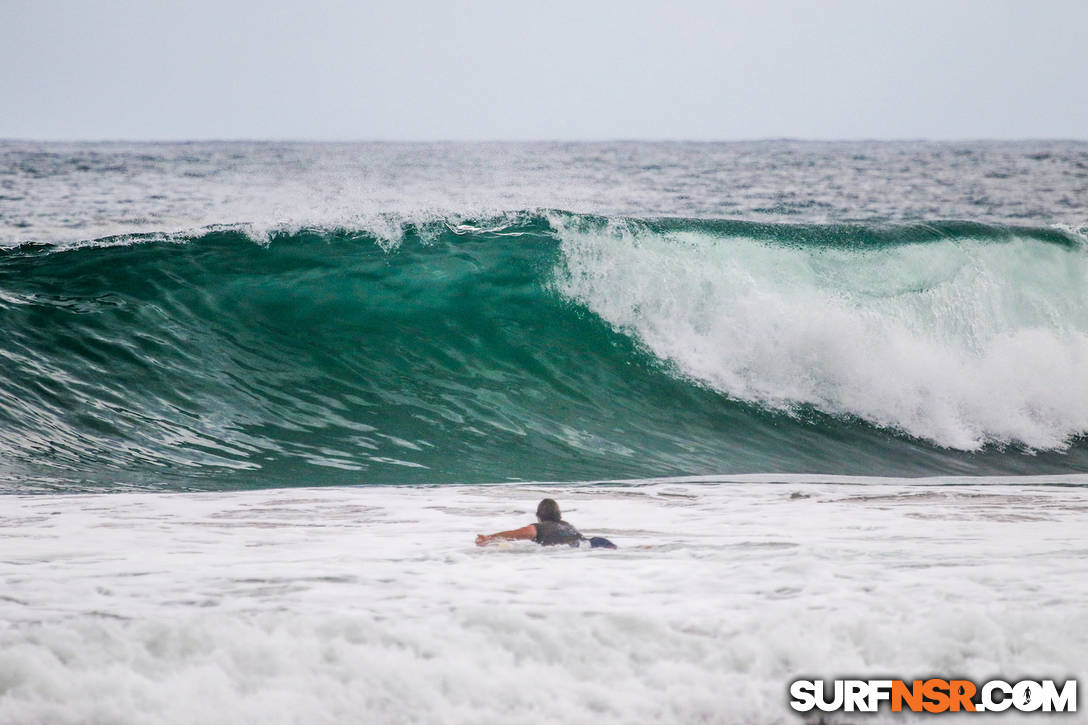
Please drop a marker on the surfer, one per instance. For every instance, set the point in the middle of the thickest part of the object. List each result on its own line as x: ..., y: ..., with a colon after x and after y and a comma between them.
x: 549, y: 530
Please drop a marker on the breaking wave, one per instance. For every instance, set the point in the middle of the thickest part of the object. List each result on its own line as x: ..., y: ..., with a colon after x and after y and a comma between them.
x: 545, y: 346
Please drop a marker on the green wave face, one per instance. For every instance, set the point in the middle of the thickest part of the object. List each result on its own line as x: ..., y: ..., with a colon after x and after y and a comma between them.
x: 544, y: 347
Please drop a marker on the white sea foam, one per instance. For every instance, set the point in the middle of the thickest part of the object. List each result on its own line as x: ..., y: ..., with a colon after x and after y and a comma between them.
x: 371, y: 605
x: 960, y: 342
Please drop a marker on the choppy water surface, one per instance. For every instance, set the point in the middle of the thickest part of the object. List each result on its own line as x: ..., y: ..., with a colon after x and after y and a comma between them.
x: 230, y: 315
x: 214, y: 353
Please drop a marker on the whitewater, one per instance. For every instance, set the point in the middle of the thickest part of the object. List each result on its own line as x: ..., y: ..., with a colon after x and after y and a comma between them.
x: 257, y: 399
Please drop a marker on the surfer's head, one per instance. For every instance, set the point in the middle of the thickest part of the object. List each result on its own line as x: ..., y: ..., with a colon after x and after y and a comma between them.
x: 548, y: 510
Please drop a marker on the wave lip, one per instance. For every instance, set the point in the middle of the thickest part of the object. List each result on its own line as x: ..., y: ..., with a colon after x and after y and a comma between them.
x: 545, y: 346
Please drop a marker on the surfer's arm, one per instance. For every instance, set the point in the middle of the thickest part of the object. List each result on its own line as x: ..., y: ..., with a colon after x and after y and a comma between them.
x: 525, y: 532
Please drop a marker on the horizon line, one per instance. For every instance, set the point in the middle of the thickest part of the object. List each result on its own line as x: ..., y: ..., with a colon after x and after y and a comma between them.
x: 590, y: 140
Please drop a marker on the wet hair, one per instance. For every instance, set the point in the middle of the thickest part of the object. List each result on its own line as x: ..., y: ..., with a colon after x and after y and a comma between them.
x: 548, y: 510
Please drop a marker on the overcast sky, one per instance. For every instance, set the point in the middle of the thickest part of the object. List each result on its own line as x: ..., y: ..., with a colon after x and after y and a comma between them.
x: 515, y: 69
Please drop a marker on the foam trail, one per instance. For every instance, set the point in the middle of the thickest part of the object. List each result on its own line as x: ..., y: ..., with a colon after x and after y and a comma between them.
x: 372, y: 604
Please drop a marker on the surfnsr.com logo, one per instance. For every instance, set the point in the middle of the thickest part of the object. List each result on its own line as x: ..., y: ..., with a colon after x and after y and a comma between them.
x: 933, y: 695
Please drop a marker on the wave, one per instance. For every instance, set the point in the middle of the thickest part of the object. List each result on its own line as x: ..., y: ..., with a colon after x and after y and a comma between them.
x: 544, y: 346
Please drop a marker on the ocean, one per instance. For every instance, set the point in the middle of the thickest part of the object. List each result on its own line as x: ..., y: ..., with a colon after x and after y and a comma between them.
x: 256, y: 399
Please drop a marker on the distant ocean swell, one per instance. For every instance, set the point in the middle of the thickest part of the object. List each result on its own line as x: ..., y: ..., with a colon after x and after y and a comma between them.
x: 545, y: 346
